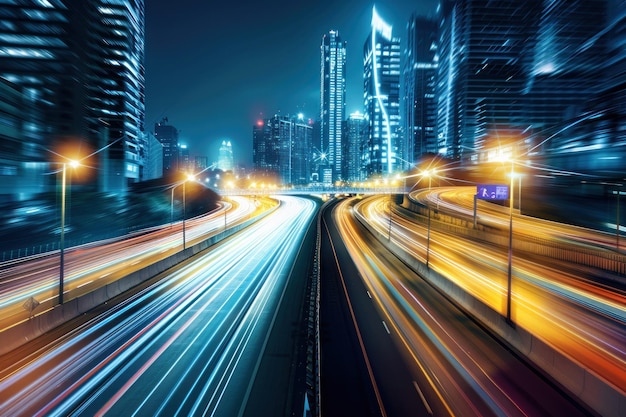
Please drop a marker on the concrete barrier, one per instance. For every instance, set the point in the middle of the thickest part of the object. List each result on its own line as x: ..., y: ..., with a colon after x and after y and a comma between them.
x: 598, y: 394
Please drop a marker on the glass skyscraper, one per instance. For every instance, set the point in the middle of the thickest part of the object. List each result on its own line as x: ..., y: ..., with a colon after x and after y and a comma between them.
x: 381, y: 62
x: 81, y: 62
x: 333, y: 99
x: 420, y: 81
x: 484, y: 53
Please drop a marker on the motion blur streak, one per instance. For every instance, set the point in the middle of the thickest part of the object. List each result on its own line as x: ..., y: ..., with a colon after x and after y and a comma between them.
x: 559, y: 303
x: 92, y: 266
x: 188, y: 345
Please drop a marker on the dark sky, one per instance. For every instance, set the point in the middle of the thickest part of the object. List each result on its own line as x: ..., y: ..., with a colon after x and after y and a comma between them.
x: 214, y: 70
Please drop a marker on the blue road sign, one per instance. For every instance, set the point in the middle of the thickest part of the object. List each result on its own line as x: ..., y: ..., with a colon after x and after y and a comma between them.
x: 492, y: 191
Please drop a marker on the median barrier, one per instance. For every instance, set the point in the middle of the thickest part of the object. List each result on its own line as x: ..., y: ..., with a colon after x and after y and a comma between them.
x: 591, y: 388
x: 38, y: 324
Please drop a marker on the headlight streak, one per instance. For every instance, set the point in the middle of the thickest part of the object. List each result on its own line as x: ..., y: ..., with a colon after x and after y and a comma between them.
x: 583, y: 321
x: 389, y: 299
x: 251, y: 304
x: 38, y: 278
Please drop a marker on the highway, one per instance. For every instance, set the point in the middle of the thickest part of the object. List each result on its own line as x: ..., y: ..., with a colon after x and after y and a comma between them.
x: 90, y: 266
x: 411, y: 348
x: 189, y: 344
x: 561, y: 304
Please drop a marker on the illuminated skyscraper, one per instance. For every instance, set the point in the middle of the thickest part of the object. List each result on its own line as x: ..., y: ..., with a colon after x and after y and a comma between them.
x: 82, y: 63
x: 420, y: 77
x: 484, y: 53
x: 355, y: 136
x: 381, y: 63
x: 225, y: 160
x: 168, y: 136
x: 333, y: 99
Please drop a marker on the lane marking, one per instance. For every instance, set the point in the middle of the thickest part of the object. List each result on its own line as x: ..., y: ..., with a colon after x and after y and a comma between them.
x: 419, y: 391
x: 386, y: 328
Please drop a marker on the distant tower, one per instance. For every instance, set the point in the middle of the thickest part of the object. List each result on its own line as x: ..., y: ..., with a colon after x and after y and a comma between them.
x: 225, y: 160
x: 333, y: 99
x: 355, y: 136
x: 168, y: 136
x: 381, y: 80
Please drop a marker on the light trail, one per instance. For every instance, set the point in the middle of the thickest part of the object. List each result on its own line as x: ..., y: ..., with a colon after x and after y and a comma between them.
x: 181, y: 346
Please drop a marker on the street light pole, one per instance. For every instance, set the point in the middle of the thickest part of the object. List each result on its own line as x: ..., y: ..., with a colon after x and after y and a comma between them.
x: 430, y: 178
x: 62, y: 243
x: 62, y: 252
x: 172, y: 209
x: 184, y: 211
x: 510, y: 266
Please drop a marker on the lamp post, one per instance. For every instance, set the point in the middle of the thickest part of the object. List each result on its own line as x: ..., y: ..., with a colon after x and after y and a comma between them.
x: 510, y: 266
x: 73, y: 164
x: 430, y: 178
x: 190, y: 177
x: 617, y: 220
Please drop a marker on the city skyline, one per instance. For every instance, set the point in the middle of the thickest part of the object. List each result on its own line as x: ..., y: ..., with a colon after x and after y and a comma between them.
x: 185, y: 84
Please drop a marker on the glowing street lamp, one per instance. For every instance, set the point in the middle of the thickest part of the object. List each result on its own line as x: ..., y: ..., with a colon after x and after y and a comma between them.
x: 73, y: 164
x: 190, y: 177
x: 510, y: 260
x: 429, y: 175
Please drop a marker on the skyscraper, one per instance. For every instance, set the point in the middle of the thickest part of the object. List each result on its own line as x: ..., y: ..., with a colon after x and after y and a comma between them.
x: 225, y: 160
x: 484, y: 50
x: 168, y: 136
x: 381, y: 63
x: 81, y: 62
x: 420, y: 81
x: 355, y: 136
x: 282, y: 146
x: 333, y: 99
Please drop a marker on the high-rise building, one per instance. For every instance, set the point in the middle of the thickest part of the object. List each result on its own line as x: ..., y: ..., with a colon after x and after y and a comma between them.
x: 381, y: 61
x: 419, y: 87
x: 225, y: 160
x: 168, y: 136
x: 355, y: 136
x: 302, y: 137
x: 82, y: 62
x: 282, y: 147
x: 153, y: 162
x: 333, y: 99
x: 264, y: 148
x: 484, y: 52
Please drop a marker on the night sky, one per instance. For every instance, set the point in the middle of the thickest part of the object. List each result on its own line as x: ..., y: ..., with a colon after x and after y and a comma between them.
x: 213, y: 71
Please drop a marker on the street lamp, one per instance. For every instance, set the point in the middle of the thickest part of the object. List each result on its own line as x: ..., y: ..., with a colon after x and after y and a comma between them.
x: 73, y: 164
x: 190, y: 177
x: 510, y: 266
x: 429, y: 175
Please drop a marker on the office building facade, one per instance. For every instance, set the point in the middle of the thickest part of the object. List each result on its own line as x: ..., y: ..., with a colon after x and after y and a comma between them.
x: 83, y: 62
x: 333, y: 99
x: 419, y: 88
x: 381, y: 62
x: 484, y: 50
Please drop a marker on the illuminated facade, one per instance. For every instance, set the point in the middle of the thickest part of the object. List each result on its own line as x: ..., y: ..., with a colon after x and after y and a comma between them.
x: 333, y: 99
x: 484, y: 53
x: 225, y: 160
x: 420, y: 80
x: 355, y: 138
x: 282, y: 147
x: 381, y: 62
x: 82, y: 61
x: 168, y: 136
